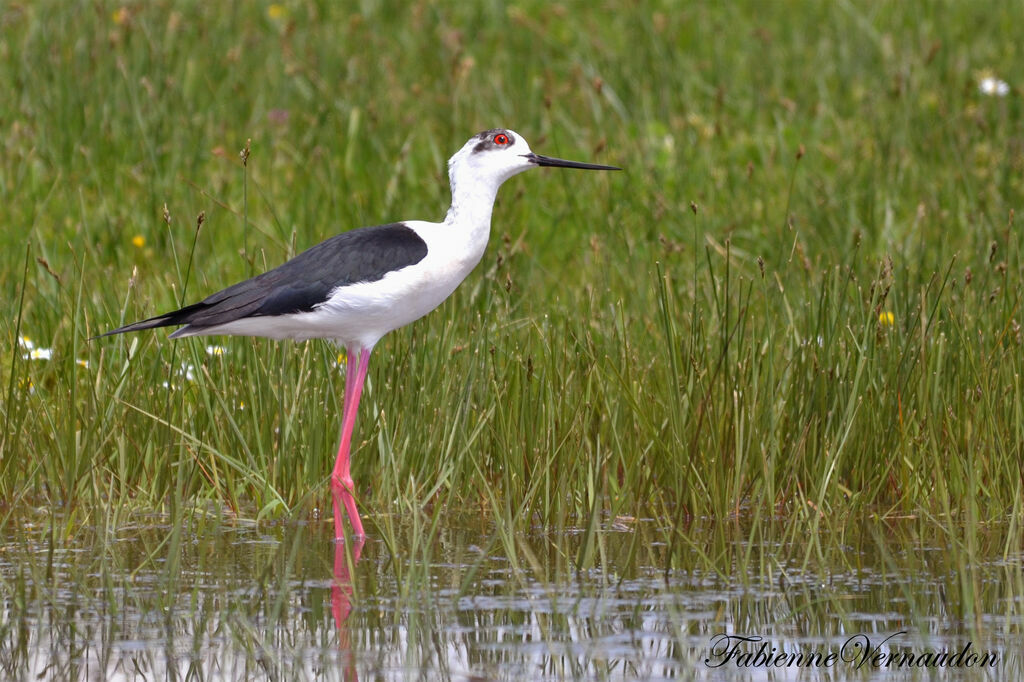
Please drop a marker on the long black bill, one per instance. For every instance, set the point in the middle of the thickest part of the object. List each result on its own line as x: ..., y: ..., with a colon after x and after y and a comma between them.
x: 562, y: 163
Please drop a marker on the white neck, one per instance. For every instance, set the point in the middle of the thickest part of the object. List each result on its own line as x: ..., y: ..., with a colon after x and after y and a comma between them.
x: 470, y: 212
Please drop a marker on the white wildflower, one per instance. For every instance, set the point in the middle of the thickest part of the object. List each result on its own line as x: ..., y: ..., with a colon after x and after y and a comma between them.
x: 993, y: 87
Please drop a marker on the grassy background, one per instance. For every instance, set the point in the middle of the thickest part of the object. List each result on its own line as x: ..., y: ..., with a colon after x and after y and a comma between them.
x: 800, y: 299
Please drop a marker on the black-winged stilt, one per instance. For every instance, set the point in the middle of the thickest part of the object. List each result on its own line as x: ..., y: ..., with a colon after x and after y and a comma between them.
x: 359, y: 285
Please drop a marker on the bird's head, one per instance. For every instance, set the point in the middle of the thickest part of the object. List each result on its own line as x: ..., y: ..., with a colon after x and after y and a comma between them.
x: 494, y: 156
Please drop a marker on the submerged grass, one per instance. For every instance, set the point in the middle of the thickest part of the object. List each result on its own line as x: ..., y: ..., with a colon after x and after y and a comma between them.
x: 799, y: 304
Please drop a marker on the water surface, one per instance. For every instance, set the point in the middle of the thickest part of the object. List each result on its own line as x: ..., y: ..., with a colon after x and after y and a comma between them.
x: 209, y: 599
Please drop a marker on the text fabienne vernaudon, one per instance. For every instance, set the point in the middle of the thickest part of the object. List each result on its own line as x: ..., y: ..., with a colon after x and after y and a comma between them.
x: 859, y: 651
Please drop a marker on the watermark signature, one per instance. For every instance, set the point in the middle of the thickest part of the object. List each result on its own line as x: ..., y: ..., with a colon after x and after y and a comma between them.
x: 857, y: 652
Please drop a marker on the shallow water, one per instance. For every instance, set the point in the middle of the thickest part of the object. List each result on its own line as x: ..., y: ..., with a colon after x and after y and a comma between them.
x: 209, y: 600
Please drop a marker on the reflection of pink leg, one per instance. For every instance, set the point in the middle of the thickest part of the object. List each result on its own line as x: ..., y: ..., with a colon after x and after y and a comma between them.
x: 341, y: 476
x: 341, y: 590
x: 341, y: 604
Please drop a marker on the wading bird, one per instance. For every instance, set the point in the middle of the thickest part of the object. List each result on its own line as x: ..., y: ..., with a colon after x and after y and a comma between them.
x: 359, y: 285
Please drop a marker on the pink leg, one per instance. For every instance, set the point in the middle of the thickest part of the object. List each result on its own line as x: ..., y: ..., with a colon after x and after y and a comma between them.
x: 341, y: 476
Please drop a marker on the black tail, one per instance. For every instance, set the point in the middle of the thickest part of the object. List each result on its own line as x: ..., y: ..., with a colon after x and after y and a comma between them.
x: 172, y: 319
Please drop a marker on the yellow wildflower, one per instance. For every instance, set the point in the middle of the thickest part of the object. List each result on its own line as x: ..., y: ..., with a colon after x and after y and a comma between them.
x: 139, y: 241
x: 887, y: 318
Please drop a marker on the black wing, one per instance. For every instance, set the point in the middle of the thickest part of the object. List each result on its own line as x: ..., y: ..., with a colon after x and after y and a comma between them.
x: 362, y: 255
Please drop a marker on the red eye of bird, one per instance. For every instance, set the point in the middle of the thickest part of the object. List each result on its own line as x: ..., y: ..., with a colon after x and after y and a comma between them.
x: 501, y: 138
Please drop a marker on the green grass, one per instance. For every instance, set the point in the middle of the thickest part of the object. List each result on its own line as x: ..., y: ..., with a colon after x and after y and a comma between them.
x: 704, y: 335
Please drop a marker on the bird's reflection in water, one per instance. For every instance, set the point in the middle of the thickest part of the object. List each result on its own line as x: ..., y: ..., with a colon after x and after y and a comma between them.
x: 345, y: 558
